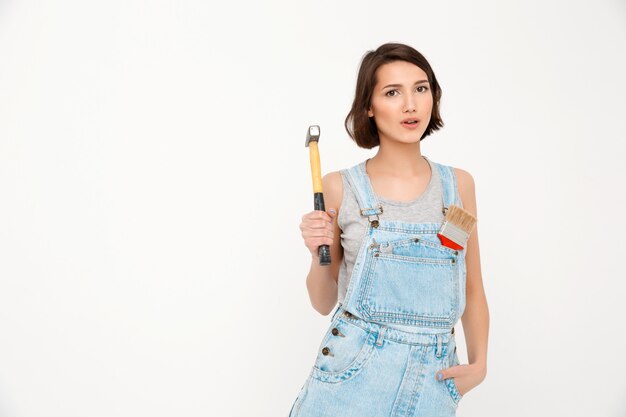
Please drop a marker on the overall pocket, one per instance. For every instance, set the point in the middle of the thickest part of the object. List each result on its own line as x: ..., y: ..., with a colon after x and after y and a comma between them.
x: 410, y: 281
x: 453, y: 360
x: 344, y: 351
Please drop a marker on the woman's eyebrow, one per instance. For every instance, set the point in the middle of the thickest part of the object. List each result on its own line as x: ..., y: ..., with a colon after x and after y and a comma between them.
x: 400, y: 85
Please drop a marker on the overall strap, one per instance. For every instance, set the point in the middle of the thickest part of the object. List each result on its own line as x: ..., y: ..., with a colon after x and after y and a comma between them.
x: 449, y: 184
x: 362, y: 188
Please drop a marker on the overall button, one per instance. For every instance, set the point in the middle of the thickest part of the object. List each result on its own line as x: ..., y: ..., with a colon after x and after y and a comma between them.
x: 336, y: 332
x: 326, y: 352
x: 348, y: 314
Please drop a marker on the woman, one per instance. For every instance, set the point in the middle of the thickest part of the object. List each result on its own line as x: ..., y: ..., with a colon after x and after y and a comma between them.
x: 390, y: 349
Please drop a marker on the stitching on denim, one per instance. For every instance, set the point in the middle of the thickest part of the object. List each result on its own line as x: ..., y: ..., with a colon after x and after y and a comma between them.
x: 414, y: 259
x: 409, y: 241
x: 409, y: 229
x: 407, y: 316
x: 367, y: 184
x: 354, y: 182
x: 357, y: 269
x: 405, y: 377
x: 404, y: 318
x: 366, y: 276
x: 452, y: 390
x: 351, y: 364
x: 421, y: 368
x: 389, y: 334
x: 413, y: 319
x: 410, y: 318
x: 353, y: 369
x: 411, y: 373
x: 344, y: 197
x: 326, y: 336
x: 457, y: 194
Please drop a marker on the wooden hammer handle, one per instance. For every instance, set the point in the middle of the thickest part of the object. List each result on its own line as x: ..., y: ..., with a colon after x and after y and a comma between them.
x: 318, y: 196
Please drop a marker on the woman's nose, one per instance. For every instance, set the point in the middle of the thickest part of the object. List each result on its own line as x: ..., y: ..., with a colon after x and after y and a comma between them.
x: 409, y: 104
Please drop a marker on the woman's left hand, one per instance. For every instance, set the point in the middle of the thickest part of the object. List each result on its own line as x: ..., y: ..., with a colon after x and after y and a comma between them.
x: 466, y: 376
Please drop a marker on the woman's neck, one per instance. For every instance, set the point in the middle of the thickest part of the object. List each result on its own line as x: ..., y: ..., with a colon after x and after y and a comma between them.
x: 400, y: 161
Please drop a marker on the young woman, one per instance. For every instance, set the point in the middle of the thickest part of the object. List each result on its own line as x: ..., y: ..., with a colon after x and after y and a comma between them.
x: 390, y: 349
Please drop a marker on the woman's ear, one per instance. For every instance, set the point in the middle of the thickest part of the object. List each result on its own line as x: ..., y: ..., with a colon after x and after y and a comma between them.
x: 370, y: 113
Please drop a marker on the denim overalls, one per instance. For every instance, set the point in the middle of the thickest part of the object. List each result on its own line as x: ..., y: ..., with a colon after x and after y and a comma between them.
x: 394, y: 330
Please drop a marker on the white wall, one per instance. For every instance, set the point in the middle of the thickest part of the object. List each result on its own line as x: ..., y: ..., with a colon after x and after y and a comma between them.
x: 153, y: 175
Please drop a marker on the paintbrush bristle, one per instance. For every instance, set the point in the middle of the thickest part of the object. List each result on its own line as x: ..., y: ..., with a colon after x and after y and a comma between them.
x: 461, y: 218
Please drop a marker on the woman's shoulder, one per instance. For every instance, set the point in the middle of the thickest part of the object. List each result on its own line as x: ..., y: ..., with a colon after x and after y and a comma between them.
x: 464, y: 177
x: 467, y: 188
x: 332, y: 186
x: 337, y: 182
x: 333, y: 178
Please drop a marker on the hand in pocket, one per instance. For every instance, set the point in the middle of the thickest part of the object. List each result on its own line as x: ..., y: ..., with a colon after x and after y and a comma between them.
x: 466, y: 376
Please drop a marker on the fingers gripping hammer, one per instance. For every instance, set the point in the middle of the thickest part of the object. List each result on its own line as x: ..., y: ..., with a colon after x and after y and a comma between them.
x: 312, y: 139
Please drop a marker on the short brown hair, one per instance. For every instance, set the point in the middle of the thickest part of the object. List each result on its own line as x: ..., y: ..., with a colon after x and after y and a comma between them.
x: 361, y: 128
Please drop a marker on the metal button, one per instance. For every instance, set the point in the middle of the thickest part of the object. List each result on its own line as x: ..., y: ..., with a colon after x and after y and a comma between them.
x: 454, y: 261
x: 416, y: 239
x: 376, y: 254
x: 336, y: 332
x: 325, y: 351
x: 374, y: 223
x: 347, y: 314
x: 456, y: 252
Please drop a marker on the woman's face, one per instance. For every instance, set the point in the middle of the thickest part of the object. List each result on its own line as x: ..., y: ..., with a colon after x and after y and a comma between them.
x: 402, y: 91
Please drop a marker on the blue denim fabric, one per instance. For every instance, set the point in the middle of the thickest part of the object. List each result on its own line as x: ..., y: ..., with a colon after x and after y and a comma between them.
x: 395, y: 329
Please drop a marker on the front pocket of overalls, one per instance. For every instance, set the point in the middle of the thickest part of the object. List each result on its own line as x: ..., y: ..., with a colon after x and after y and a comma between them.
x: 450, y: 383
x: 411, y: 281
x: 342, y: 357
x: 420, y: 247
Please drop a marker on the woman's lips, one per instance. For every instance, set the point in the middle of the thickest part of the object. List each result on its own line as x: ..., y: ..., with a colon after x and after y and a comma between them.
x: 410, y: 125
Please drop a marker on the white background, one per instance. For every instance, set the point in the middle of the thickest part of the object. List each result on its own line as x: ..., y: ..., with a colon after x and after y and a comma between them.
x: 153, y: 175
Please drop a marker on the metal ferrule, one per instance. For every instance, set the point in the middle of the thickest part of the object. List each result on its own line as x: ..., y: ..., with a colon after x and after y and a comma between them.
x: 454, y: 233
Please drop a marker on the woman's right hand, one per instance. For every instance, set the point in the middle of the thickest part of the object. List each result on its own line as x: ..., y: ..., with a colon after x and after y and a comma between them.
x: 317, y: 229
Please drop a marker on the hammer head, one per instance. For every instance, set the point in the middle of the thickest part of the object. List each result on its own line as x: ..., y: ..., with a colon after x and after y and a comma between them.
x: 312, y: 134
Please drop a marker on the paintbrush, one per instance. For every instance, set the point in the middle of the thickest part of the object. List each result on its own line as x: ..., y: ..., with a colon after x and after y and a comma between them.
x: 456, y: 228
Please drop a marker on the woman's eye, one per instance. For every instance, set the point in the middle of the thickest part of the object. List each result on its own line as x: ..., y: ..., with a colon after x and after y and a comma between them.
x: 388, y: 93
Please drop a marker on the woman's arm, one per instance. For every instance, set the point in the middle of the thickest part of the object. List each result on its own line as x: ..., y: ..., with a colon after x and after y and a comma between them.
x: 322, y: 281
x: 475, y: 318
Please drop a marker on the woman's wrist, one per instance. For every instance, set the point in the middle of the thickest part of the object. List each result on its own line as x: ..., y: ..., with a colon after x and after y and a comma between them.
x: 480, y: 367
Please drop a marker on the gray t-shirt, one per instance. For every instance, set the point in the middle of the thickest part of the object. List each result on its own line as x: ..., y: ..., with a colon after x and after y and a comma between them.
x: 426, y: 208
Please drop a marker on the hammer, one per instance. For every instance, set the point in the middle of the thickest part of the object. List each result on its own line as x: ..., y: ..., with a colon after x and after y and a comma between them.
x: 312, y: 138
